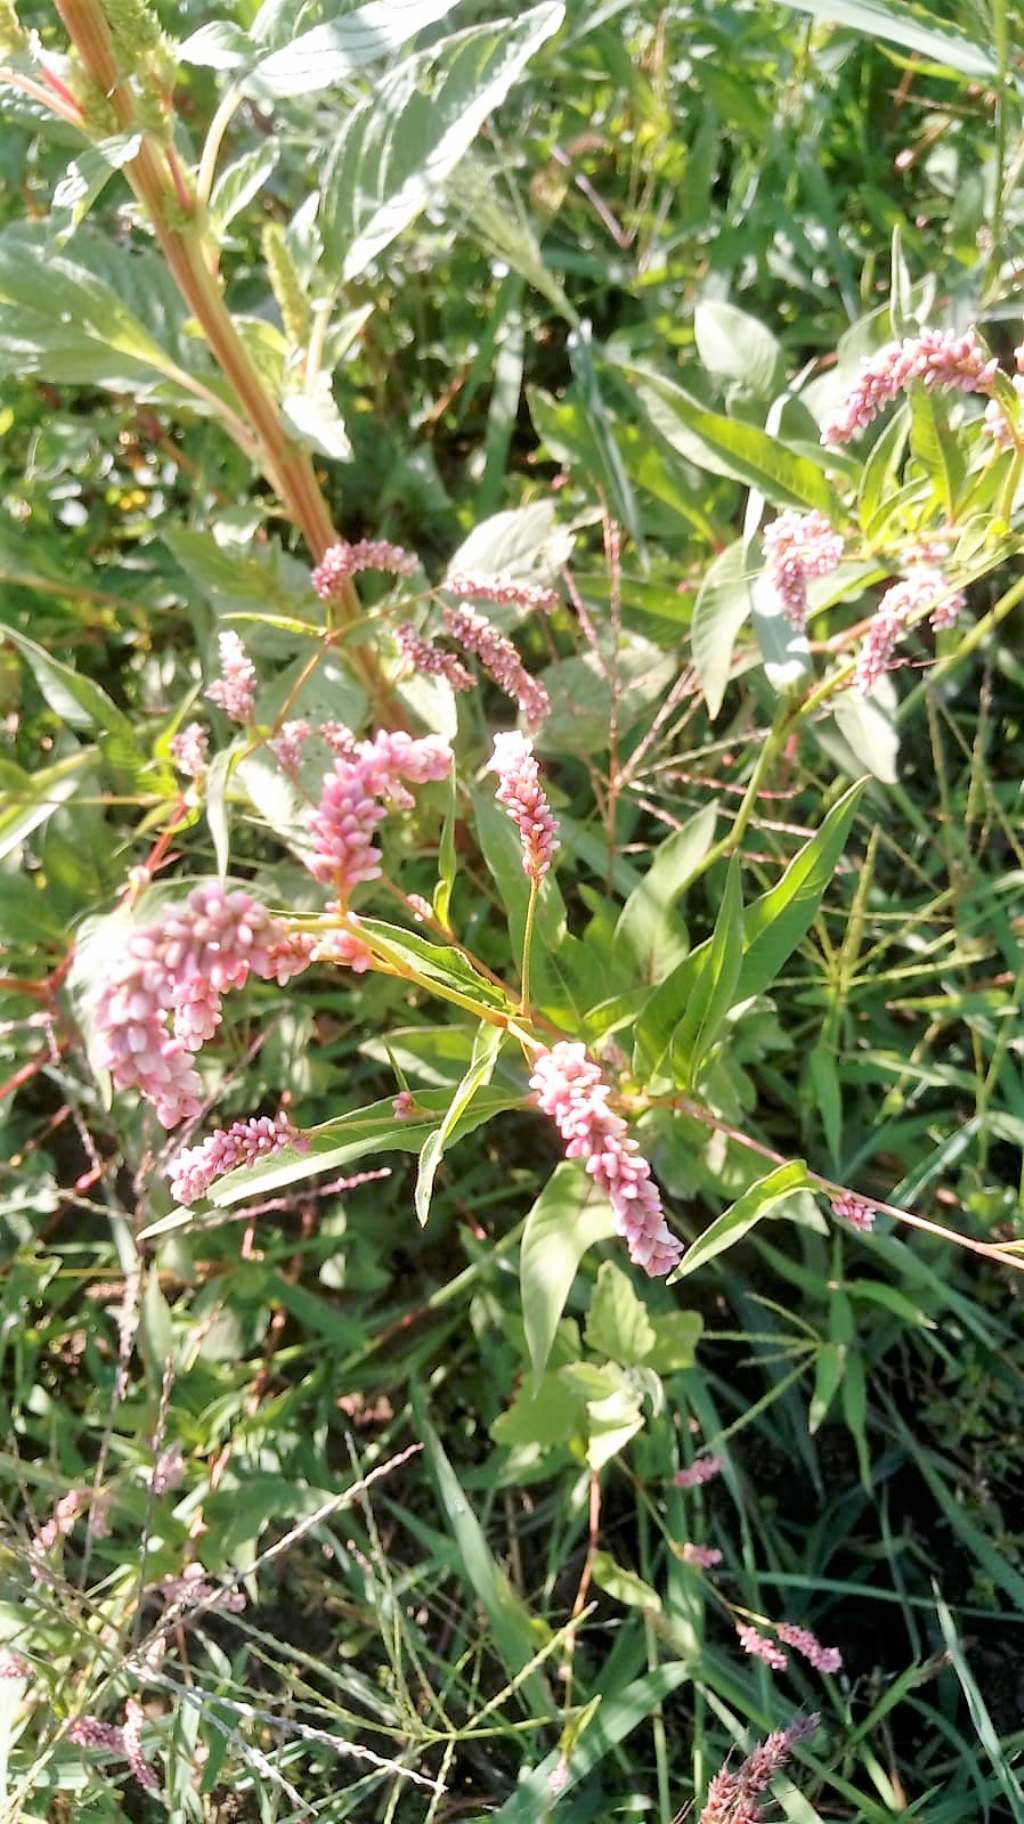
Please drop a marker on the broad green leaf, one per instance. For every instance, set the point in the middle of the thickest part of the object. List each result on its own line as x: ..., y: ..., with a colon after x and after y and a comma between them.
x: 881, y: 472
x: 755, y: 1204
x: 909, y: 27
x: 86, y: 177
x: 723, y: 604
x: 517, y: 1636
x: 611, y: 1423
x: 625, y: 1586
x: 785, y: 651
x: 546, y: 1414
x: 240, y: 184
x: 736, y: 347
x: 936, y: 447
x: 481, y: 1068
x: 617, y: 1323
x: 218, y: 45
x: 72, y: 696
x: 581, y: 700
x: 317, y: 421
x: 870, y: 732
x: 727, y: 446
x: 329, y: 53
x: 713, y: 989
x: 567, y: 1219
x: 397, y: 149
x: 775, y: 924
x: 652, y: 934
x: 528, y: 543
x: 676, y: 1335
x: 216, y: 799
x: 440, y: 963
x: 352, y: 1136
x: 58, y: 320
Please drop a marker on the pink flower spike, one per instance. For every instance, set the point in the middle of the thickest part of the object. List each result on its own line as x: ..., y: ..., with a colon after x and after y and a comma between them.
x: 342, y: 561
x: 797, y: 547
x: 937, y: 357
x: 705, y: 1469
x: 349, y: 811
x: 189, y: 750
x: 823, y: 1659
x: 519, y: 790
x: 569, y: 1087
x: 760, y: 1647
x: 499, y: 658
x: 287, y: 746
x: 703, y: 1557
x: 244, y: 1143
x: 404, y: 1106
x: 134, y: 1717
x: 235, y: 690
x: 504, y: 591
x: 854, y: 1210
x: 13, y: 1666
x: 432, y: 660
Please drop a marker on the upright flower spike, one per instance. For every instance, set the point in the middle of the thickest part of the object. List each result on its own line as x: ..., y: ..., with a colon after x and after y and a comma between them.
x: 235, y: 690
x: 499, y: 658
x: 520, y: 791
x: 180, y: 966
x: 350, y: 807
x: 288, y: 745
x: 570, y: 1088
x: 190, y: 750
x: 939, y: 358
x: 823, y: 1659
x: 732, y: 1798
x: 797, y: 547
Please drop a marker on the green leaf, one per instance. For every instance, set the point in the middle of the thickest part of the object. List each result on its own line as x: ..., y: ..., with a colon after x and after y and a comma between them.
x: 828, y: 1100
x: 625, y: 1586
x: 908, y: 27
x: 727, y: 446
x: 581, y: 698
x: 736, y: 347
x: 74, y: 698
x: 397, y: 149
x: 756, y: 1203
x: 653, y: 936
x: 29, y: 799
x: 240, y: 183
x: 517, y: 1636
x: 828, y: 1372
x: 775, y: 924
x: 447, y: 859
x: 329, y: 53
x: 936, y: 447
x: 58, y: 320
x: 481, y: 1068
x: 676, y: 1335
x: 567, y: 1219
x: 881, y: 473
x: 617, y: 1323
x: 440, y: 963
x: 547, y: 1414
x: 870, y: 733
x: 352, y: 1136
x: 316, y: 420
x: 723, y: 603
x: 494, y: 213
x: 611, y: 1423
x: 217, y: 777
x: 87, y: 176
x: 218, y: 45
x: 713, y: 990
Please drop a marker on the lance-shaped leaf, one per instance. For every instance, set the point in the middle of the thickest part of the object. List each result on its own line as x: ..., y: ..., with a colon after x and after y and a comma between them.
x: 481, y: 1068
x: 762, y: 1199
x: 396, y: 150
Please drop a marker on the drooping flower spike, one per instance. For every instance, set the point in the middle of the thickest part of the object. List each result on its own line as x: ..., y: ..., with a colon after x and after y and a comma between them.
x: 342, y: 561
x: 499, y: 658
x: 243, y: 1143
x: 798, y: 547
x: 569, y: 1087
x: 352, y: 803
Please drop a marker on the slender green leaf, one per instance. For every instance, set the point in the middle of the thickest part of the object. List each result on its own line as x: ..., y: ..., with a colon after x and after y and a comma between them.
x: 567, y: 1219
x: 481, y: 1068
x: 761, y: 1200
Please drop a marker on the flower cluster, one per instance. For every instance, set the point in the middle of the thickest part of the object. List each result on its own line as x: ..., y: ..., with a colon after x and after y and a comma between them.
x: 181, y: 965
x: 760, y: 1647
x: 854, y: 1210
x: 997, y: 423
x: 937, y: 357
x: 503, y: 591
x: 287, y: 746
x: 499, y: 658
x: 732, y: 1798
x: 705, y: 1469
x: 520, y: 791
x: 13, y: 1666
x: 823, y: 1659
x: 189, y: 750
x: 797, y: 547
x: 424, y: 656
x: 351, y: 806
x: 235, y: 690
x: 342, y: 561
x: 923, y: 589
x: 243, y: 1143
x: 168, y: 1472
x: 703, y: 1557
x: 570, y: 1088
x: 126, y: 1743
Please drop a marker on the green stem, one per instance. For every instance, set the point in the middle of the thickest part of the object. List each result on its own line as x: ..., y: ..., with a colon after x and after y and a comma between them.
x: 785, y: 716
x: 531, y: 914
